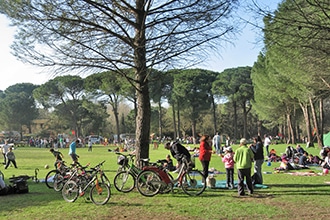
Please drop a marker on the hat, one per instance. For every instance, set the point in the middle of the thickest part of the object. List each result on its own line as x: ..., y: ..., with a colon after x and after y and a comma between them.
x: 243, y: 141
x: 229, y: 149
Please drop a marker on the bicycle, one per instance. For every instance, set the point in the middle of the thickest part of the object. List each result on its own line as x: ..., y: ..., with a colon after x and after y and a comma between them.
x: 122, y: 161
x: 124, y: 181
x: 55, y: 179
x: 50, y: 176
x: 153, y: 180
x: 96, y: 183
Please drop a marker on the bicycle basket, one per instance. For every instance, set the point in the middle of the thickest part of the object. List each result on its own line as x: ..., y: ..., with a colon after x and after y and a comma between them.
x: 122, y: 160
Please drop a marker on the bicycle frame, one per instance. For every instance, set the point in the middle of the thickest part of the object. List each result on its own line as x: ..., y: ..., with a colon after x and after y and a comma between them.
x: 97, y: 184
x: 154, y: 179
x: 130, y: 167
x: 94, y: 178
x: 164, y: 175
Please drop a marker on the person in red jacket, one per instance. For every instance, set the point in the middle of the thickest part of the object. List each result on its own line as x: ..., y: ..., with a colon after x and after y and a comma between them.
x: 205, y: 152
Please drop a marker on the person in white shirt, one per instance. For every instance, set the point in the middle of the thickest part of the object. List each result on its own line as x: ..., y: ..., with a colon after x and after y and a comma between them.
x: 5, y: 150
x: 216, y: 143
x: 267, y: 142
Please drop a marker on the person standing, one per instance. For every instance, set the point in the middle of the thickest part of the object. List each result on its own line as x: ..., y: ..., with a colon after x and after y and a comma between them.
x: 90, y: 145
x: 228, y: 160
x: 10, y: 158
x: 72, y: 151
x: 205, y: 152
x: 228, y: 141
x: 258, y: 151
x: 243, y: 158
x: 267, y: 142
x: 216, y: 143
x: 5, y: 150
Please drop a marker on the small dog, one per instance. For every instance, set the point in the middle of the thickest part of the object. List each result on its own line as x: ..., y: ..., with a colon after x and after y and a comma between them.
x: 210, y: 181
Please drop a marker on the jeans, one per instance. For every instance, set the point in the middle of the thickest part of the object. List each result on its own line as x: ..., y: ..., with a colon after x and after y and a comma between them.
x: 230, y: 177
x: 257, y: 168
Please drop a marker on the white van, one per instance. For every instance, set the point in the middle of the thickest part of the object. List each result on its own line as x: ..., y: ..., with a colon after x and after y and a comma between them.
x: 95, y: 139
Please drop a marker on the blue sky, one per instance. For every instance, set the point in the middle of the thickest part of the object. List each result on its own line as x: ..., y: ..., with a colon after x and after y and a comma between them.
x: 243, y: 52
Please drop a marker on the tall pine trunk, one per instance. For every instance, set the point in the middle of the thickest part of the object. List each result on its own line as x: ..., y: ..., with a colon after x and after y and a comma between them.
x: 142, y: 89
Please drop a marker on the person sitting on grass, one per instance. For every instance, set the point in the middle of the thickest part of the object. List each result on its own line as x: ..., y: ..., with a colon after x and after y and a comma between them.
x: 303, y: 159
x: 168, y: 163
x: 314, y: 160
x: 273, y: 156
x: 285, y: 164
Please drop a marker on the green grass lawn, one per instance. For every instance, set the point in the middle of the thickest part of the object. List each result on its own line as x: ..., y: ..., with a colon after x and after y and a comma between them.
x: 287, y: 196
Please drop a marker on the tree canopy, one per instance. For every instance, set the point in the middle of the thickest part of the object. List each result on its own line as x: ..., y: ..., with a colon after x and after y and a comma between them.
x: 113, y: 35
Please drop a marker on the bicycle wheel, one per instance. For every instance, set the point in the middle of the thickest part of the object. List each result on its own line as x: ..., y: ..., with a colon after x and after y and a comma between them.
x: 124, y: 182
x: 100, y: 193
x: 58, y: 182
x: 82, y: 182
x: 70, y: 191
x: 105, y: 180
x: 193, y: 183
x: 49, y: 179
x: 148, y: 183
x: 168, y: 187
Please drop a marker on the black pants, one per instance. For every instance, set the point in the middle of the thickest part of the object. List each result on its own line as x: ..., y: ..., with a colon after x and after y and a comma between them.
x: 205, y: 165
x: 10, y: 161
x: 4, y: 158
x: 267, y: 150
x: 230, y: 176
x: 244, y: 173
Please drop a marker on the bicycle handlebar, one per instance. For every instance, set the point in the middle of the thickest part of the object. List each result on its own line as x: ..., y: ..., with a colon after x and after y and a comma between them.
x: 126, y: 155
x: 98, y: 165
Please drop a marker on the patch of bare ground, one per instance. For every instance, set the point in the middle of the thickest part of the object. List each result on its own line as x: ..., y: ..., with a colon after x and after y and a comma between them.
x: 287, y: 209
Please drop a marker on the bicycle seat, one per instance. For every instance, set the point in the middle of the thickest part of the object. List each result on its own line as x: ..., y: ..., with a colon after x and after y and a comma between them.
x: 145, y: 159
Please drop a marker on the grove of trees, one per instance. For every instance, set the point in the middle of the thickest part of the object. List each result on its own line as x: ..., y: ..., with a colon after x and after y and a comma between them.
x: 137, y: 50
x: 96, y: 36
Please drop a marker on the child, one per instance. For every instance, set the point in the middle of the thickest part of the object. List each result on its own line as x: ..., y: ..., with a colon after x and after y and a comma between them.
x: 228, y: 159
x: 58, y: 156
x: 168, y: 163
x: 10, y: 158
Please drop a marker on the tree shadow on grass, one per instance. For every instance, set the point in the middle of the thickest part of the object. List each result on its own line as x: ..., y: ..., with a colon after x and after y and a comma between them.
x: 297, y: 189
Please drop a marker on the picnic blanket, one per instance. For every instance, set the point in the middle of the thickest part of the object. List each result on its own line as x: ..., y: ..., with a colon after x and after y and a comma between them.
x: 221, y: 184
x: 304, y: 173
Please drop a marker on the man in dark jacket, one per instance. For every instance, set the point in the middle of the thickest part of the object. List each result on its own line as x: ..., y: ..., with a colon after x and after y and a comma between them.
x: 178, y: 151
x: 258, y: 151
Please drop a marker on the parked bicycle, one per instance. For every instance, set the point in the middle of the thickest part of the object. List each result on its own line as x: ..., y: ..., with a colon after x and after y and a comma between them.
x: 97, y: 183
x: 55, y: 179
x: 153, y: 180
x: 124, y: 180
